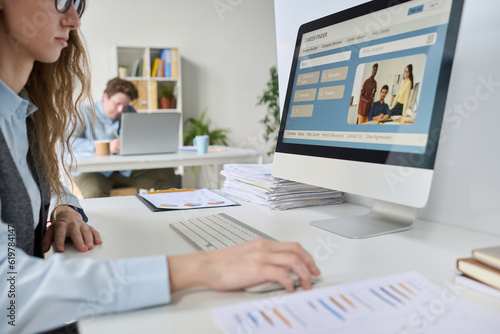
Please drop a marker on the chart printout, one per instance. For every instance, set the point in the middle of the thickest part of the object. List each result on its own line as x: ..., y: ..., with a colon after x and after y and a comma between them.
x: 404, y: 303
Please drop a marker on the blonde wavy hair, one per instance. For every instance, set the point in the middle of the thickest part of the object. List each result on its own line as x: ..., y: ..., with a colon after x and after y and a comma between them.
x: 58, y: 89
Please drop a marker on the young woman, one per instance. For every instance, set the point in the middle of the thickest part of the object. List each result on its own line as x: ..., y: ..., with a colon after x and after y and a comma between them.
x: 400, y: 103
x: 42, y: 65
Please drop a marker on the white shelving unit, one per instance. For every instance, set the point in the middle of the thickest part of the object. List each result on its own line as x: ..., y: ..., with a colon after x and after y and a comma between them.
x: 149, y: 86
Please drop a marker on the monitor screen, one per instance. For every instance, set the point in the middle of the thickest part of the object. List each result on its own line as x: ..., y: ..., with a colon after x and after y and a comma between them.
x: 351, y: 67
x: 366, y: 97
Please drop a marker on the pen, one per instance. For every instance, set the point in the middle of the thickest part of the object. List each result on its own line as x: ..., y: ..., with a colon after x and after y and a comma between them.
x: 169, y: 191
x: 116, y: 134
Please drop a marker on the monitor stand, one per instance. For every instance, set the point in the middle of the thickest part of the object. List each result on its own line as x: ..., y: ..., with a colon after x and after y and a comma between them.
x: 384, y: 218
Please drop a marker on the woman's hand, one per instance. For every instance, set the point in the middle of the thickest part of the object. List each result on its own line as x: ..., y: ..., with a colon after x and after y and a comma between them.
x: 242, y: 266
x: 68, y: 223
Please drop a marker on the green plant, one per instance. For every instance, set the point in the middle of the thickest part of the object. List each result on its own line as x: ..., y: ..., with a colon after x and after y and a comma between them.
x: 271, y: 99
x: 166, y: 91
x: 200, y: 126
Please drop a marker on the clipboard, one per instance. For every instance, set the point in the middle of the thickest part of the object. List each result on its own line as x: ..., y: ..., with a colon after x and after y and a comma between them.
x: 184, y: 200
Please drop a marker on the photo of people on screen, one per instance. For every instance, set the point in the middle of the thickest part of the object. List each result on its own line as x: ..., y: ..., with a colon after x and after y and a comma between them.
x: 397, y: 100
x: 367, y: 96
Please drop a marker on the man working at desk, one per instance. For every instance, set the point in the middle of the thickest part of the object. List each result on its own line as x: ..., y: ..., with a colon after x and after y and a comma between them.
x: 115, y: 101
x: 380, y: 110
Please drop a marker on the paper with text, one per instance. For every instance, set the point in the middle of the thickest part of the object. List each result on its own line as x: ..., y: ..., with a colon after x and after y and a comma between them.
x: 404, y: 303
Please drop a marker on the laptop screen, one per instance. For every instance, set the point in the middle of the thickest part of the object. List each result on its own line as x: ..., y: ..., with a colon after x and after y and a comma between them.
x: 149, y: 133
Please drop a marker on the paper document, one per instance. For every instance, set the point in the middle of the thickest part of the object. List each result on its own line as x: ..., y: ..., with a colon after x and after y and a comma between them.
x: 182, y: 200
x: 255, y: 183
x: 404, y: 303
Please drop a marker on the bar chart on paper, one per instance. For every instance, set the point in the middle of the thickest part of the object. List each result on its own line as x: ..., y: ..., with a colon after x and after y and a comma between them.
x: 405, y: 304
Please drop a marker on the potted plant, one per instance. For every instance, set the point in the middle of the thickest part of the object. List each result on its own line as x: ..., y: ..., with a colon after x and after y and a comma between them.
x: 271, y: 99
x: 196, y: 127
x: 167, y: 98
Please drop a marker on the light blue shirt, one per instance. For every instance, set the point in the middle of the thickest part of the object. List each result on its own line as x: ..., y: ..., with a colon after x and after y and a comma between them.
x: 50, y: 293
x: 103, y: 129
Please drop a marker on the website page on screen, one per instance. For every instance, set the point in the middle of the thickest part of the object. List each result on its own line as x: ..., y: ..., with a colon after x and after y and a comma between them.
x: 370, y: 82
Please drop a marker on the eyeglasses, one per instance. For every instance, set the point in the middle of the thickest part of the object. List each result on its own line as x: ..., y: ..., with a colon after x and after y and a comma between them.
x: 63, y: 6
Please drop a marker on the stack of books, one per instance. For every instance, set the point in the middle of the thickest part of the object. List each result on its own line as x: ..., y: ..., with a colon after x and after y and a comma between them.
x: 167, y: 65
x: 483, y: 266
x: 254, y: 183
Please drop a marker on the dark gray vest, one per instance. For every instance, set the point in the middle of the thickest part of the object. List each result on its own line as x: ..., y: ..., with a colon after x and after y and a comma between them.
x: 16, y: 205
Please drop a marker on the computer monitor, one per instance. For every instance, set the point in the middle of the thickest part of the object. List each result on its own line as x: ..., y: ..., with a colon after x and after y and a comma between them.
x: 364, y: 107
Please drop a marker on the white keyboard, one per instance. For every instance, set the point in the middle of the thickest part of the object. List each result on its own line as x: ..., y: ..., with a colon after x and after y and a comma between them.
x: 216, y: 231
x: 221, y: 231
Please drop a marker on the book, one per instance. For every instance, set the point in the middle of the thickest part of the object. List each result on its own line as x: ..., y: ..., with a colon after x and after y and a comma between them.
x: 135, y: 67
x: 141, y: 103
x: 154, y: 69
x: 153, y: 91
x: 161, y: 69
x: 489, y: 256
x: 175, y: 63
x: 470, y: 283
x: 167, y: 56
x: 144, y: 68
x: 479, y: 271
x: 139, y: 68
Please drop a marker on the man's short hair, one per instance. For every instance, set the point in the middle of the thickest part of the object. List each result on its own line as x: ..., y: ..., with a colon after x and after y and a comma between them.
x: 385, y: 87
x: 375, y: 66
x: 118, y: 85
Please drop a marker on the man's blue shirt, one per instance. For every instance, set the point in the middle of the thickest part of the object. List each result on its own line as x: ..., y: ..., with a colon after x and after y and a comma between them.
x: 377, y: 109
x: 103, y: 129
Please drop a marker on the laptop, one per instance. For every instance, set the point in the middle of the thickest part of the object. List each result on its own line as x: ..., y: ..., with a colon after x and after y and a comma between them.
x: 149, y: 133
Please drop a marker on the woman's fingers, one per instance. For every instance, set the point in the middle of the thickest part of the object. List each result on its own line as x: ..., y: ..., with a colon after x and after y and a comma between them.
x: 260, y: 261
x: 289, y: 248
x: 294, y: 264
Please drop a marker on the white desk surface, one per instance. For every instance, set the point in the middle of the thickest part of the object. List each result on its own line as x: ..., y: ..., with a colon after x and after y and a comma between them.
x: 91, y: 163
x: 130, y: 229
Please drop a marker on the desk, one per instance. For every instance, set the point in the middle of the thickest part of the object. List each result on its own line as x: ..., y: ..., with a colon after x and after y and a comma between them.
x: 87, y: 163
x: 91, y: 163
x: 429, y: 248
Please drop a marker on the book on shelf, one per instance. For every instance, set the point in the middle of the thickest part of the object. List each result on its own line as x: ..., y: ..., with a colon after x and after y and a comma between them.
x: 144, y: 68
x: 135, y: 67
x: 489, y: 256
x: 140, y: 68
x: 153, y: 91
x: 175, y: 63
x: 479, y: 271
x: 141, y: 103
x: 166, y: 54
x: 161, y: 69
x: 154, y: 68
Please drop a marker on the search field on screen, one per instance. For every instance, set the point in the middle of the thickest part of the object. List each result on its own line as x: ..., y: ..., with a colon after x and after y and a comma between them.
x: 402, y: 44
x: 325, y: 60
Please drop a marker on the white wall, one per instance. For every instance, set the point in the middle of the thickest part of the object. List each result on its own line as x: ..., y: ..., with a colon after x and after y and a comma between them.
x: 226, y: 53
x: 466, y: 186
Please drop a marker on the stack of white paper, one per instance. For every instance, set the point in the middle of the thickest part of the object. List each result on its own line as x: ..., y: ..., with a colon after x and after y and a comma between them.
x: 254, y: 183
